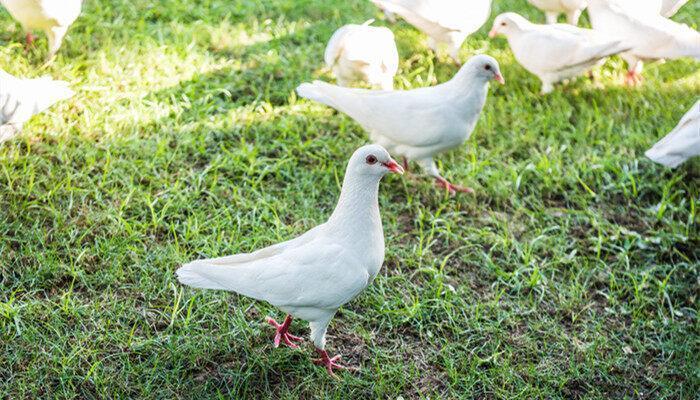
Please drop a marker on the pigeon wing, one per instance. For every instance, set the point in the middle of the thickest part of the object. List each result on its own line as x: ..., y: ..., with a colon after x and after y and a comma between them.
x: 313, y: 273
x: 560, y: 46
x: 411, y: 117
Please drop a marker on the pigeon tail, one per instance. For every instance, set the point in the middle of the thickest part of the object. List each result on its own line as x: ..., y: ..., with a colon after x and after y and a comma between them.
x: 663, y: 158
x: 55, y: 91
x: 316, y: 91
x: 8, y: 131
x: 192, y: 275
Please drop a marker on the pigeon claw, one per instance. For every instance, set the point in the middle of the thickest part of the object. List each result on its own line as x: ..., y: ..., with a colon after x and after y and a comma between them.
x: 282, y: 334
x: 30, y: 38
x: 442, y: 183
x: 633, y: 78
x: 330, y: 362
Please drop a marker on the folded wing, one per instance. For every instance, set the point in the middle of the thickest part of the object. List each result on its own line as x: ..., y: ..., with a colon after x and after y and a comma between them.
x: 311, y: 274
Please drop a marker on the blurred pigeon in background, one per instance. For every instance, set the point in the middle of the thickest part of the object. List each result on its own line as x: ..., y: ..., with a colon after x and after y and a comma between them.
x: 649, y: 36
x: 552, y: 9
x: 554, y: 52
x: 363, y: 53
x: 54, y: 17
x: 444, y: 21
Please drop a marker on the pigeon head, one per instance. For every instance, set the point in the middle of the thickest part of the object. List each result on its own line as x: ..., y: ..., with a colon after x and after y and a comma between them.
x: 373, y: 160
x: 483, y: 67
x: 507, y: 24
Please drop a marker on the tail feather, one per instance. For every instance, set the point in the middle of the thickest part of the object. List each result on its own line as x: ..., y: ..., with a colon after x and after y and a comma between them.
x: 47, y: 92
x: 316, y: 91
x: 194, y: 274
x: 57, y: 90
x: 8, y: 131
x: 663, y: 158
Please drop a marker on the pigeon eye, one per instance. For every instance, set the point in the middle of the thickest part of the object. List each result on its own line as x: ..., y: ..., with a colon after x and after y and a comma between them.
x: 503, y: 24
x: 371, y: 159
x: 487, y: 67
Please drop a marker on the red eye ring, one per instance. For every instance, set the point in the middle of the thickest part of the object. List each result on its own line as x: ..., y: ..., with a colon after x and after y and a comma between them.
x: 371, y: 159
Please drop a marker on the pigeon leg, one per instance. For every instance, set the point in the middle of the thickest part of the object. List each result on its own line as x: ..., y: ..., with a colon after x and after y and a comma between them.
x: 573, y: 17
x: 433, y: 44
x: 405, y: 164
x: 387, y: 83
x: 330, y: 362
x: 30, y: 40
x: 431, y: 169
x: 454, y: 54
x: 633, y: 78
x: 8, y: 131
x: 444, y: 184
x: 551, y: 17
x: 547, y: 87
x: 634, y: 72
x: 283, y: 334
x: 390, y: 16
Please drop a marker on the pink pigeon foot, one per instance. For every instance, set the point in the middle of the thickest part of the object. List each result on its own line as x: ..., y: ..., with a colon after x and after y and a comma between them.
x: 444, y: 184
x: 633, y: 78
x: 30, y: 40
x: 330, y: 362
x: 282, y: 334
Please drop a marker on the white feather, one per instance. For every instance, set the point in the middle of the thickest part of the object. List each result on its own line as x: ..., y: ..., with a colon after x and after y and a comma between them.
x: 20, y: 99
x: 363, y: 52
x: 682, y: 143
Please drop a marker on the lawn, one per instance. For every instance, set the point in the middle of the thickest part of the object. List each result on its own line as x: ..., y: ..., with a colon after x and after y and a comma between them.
x: 573, y: 272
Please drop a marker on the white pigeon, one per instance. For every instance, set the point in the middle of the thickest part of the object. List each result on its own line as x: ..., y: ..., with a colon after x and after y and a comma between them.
x: 682, y: 143
x: 554, y: 52
x: 363, y: 53
x: 313, y: 275
x: 649, y: 36
x: 54, y: 17
x: 418, y: 123
x: 444, y: 21
x: 552, y: 9
x: 20, y: 99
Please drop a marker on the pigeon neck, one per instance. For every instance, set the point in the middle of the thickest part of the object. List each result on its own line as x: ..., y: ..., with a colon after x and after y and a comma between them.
x: 465, y: 79
x: 358, y: 202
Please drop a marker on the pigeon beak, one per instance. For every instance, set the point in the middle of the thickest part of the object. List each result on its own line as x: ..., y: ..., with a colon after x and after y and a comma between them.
x: 393, y: 166
x: 492, y: 33
x: 499, y: 78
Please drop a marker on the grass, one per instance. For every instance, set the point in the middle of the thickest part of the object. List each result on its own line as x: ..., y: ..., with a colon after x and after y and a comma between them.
x: 572, y: 273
